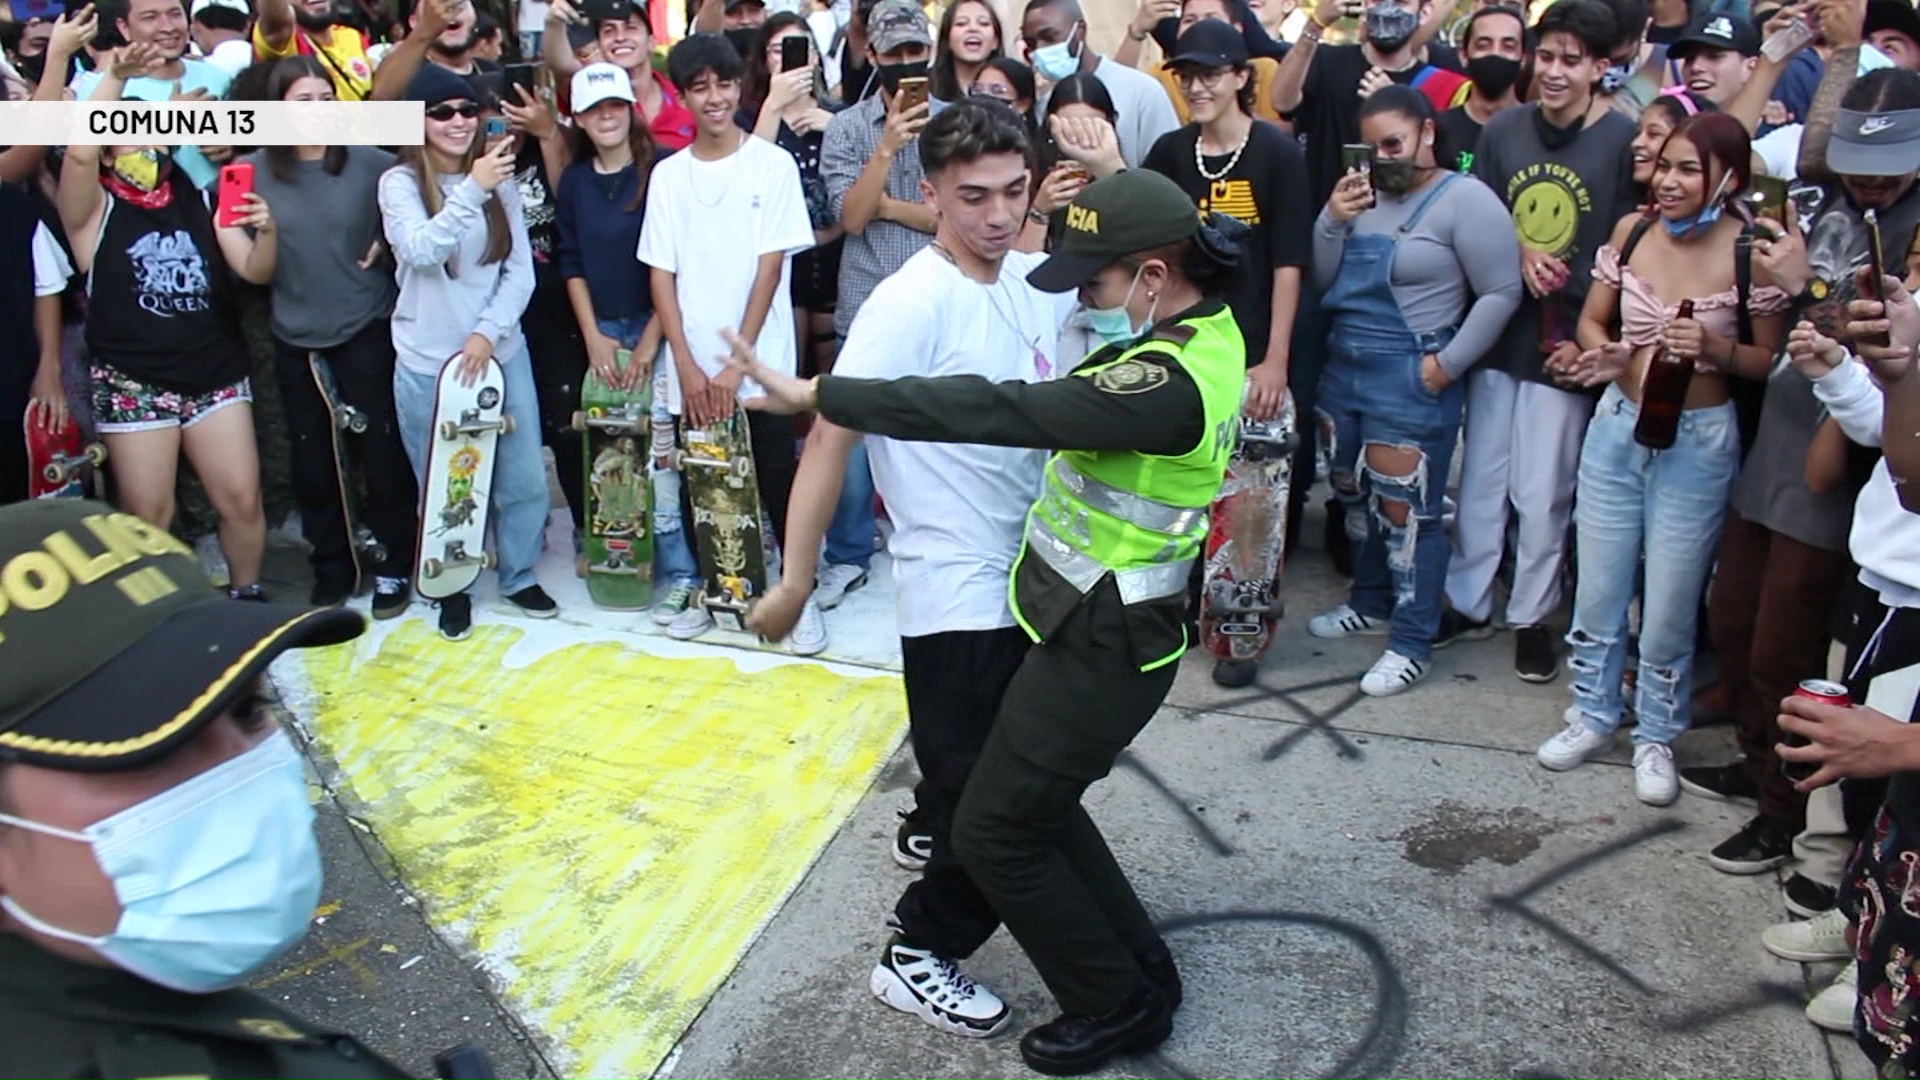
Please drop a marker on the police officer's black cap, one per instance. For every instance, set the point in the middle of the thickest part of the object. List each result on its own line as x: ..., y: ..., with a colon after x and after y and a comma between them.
x: 115, y: 648
x: 1113, y: 217
x: 1209, y: 43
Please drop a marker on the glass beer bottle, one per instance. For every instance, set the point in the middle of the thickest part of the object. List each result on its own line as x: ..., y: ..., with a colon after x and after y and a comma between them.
x: 1663, y: 395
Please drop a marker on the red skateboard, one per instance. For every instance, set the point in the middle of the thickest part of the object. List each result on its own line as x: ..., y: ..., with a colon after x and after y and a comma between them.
x: 58, y: 465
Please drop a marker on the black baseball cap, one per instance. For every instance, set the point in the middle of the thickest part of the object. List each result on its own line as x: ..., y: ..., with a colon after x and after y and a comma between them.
x: 1113, y: 217
x: 115, y: 648
x: 1211, y: 43
x: 1895, y: 15
x: 1718, y: 30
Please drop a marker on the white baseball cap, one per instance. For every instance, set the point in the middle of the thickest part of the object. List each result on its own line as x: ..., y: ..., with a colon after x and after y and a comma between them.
x: 231, y: 5
x: 596, y: 83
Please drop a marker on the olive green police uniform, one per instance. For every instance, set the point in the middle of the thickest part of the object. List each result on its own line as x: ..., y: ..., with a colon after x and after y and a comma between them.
x: 1142, y: 434
x: 115, y: 653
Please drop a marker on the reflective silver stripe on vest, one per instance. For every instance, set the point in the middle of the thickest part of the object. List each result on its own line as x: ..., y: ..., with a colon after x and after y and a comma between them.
x: 1083, y: 572
x: 1125, y: 505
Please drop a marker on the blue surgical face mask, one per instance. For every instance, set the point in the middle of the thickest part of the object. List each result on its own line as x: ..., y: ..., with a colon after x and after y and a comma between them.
x: 1701, y: 220
x: 1057, y: 61
x: 1115, y: 325
x: 1615, y: 77
x: 216, y: 877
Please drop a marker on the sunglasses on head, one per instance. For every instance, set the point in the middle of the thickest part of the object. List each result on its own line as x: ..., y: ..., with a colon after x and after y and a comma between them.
x: 445, y: 111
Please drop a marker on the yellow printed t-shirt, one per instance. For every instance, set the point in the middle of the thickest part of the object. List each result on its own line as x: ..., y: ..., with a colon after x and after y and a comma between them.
x: 342, y: 51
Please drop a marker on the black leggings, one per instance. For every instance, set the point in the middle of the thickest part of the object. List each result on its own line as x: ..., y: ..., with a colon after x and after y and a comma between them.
x: 559, y: 357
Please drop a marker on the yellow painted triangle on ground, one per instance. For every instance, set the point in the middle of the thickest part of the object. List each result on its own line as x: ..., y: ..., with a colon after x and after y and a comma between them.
x: 609, y: 829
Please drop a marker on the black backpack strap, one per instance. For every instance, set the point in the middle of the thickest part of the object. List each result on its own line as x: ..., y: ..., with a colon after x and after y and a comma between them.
x: 1743, y: 282
x: 1633, y: 239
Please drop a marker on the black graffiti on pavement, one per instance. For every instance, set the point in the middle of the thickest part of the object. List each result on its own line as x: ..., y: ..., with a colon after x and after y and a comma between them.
x: 1131, y: 762
x: 1312, y: 719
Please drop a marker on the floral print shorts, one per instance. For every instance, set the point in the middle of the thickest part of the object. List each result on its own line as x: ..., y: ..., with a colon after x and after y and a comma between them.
x: 1881, y: 892
x: 123, y: 403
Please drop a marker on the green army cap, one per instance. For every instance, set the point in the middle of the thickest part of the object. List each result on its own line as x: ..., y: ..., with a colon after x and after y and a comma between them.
x: 115, y: 648
x: 1113, y: 217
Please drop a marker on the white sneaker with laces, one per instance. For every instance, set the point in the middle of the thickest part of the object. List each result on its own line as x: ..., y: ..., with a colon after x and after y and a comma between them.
x: 1391, y: 674
x: 690, y: 624
x: 934, y: 989
x: 832, y: 584
x: 1573, y: 746
x: 1655, y: 781
x: 809, y: 637
x: 1832, y: 1008
x: 1809, y: 941
x: 1343, y: 621
x: 673, y: 603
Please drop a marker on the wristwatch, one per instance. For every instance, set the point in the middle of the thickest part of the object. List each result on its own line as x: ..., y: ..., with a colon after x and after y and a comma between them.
x: 1037, y: 217
x: 1815, y: 291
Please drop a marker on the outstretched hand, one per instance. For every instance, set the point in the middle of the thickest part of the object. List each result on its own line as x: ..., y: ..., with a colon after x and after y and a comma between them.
x: 785, y: 395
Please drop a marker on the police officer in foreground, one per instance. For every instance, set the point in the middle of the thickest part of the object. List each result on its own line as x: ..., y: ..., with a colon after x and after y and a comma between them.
x: 1142, y: 429
x: 156, y: 840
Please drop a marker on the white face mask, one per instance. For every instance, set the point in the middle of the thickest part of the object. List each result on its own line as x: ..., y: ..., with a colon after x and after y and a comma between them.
x: 216, y: 877
x: 1115, y: 325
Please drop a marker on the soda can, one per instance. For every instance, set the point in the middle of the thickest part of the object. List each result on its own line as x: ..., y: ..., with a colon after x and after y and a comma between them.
x: 1821, y: 690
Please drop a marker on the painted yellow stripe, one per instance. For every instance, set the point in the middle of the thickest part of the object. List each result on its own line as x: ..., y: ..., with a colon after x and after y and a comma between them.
x: 610, y: 829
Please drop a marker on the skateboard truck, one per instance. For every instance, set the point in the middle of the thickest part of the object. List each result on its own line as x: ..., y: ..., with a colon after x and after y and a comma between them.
x: 471, y: 424
x: 349, y: 418
x: 63, y: 466
x: 738, y: 469
x: 369, y: 545
x: 456, y: 555
x: 618, y: 423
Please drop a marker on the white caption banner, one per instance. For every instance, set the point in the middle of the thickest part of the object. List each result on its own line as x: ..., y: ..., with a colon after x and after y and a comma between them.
x: 213, y: 123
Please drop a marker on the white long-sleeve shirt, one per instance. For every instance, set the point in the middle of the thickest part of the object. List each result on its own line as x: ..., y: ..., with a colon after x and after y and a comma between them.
x: 437, y: 309
x: 1885, y: 538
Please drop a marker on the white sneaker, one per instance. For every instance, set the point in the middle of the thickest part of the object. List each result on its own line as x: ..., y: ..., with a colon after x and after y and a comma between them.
x: 1655, y: 781
x: 1391, y: 674
x: 673, y: 603
x: 1343, y: 621
x: 690, y: 624
x: 831, y: 585
x: 809, y: 637
x: 1573, y: 746
x: 1809, y: 941
x: 934, y: 989
x: 1832, y: 1008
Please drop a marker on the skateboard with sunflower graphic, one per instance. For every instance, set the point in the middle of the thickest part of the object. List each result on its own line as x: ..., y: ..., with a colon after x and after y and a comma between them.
x: 467, y: 424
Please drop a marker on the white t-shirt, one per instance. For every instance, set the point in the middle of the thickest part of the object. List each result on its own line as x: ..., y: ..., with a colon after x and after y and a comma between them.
x: 1779, y: 149
x: 958, y: 509
x: 51, y: 267
x: 708, y: 223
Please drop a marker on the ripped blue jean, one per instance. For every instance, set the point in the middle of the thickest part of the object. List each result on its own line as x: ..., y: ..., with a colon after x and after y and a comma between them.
x: 1371, y: 395
x: 1671, y: 507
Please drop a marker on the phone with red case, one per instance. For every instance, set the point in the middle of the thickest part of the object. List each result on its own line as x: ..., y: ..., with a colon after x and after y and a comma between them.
x: 236, y: 183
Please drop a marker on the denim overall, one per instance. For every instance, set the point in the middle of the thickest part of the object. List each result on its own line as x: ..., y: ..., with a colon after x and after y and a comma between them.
x: 1371, y: 393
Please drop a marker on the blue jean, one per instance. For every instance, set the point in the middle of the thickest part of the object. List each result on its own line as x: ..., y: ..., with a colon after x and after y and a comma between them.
x: 519, y: 502
x: 850, y: 533
x: 1371, y: 395
x: 672, y: 556
x: 1671, y: 506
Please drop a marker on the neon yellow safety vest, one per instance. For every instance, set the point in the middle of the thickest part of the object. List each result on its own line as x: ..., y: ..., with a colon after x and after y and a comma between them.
x: 1142, y: 517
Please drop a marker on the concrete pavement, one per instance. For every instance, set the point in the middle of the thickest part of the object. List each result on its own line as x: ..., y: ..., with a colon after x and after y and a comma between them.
x: 1352, y: 886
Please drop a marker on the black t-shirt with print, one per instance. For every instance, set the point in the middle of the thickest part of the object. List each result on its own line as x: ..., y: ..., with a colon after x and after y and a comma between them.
x: 1266, y: 189
x: 1328, y: 116
x: 1455, y: 134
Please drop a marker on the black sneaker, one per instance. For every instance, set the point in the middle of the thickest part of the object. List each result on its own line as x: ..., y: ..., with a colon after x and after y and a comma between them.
x: 252, y: 594
x: 391, y: 595
x: 1535, y: 658
x: 330, y: 591
x: 534, y: 602
x: 1457, y: 627
x: 456, y: 617
x: 1722, y: 783
x: 1235, y: 673
x: 912, y: 843
x: 1758, y: 847
x: 1339, y: 545
x: 1806, y: 897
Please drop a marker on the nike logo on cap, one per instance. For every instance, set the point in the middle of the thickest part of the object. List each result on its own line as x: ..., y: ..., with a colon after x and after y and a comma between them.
x: 1874, y: 125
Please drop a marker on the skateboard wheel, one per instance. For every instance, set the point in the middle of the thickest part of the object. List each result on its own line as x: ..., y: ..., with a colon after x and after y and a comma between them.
x: 579, y: 422
x: 449, y: 429
x: 742, y: 467
x: 377, y: 552
x: 96, y: 454
x: 675, y: 459
x: 487, y: 560
x: 431, y: 568
x: 55, y: 473
x: 506, y: 425
x: 357, y: 422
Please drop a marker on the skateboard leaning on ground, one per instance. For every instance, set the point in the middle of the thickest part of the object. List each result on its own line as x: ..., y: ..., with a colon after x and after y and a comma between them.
x: 1240, y: 591
x: 716, y: 463
x: 59, y: 464
x: 347, y: 421
x: 619, y: 539
x: 467, y: 424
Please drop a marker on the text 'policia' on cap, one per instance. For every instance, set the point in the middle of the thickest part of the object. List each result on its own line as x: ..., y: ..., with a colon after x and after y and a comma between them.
x: 114, y: 646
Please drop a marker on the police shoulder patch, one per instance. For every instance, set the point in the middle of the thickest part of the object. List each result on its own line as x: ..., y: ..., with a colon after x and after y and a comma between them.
x: 1131, y: 377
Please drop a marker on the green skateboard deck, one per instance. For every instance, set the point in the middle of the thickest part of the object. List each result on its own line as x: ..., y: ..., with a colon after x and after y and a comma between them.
x: 619, y: 514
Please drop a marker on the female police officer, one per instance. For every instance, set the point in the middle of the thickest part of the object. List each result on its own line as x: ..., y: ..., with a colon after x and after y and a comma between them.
x: 1141, y: 430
